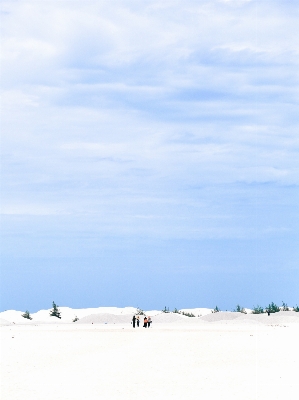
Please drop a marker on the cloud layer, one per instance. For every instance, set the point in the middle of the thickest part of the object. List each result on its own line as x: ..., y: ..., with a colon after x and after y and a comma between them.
x: 173, y: 120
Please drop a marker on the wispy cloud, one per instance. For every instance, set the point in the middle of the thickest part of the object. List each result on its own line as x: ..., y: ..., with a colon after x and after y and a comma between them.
x: 116, y: 103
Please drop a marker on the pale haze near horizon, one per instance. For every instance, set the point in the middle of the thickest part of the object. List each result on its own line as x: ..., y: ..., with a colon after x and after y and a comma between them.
x: 149, y: 154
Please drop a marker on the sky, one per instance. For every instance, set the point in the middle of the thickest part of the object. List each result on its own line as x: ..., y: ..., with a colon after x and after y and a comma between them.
x: 149, y: 153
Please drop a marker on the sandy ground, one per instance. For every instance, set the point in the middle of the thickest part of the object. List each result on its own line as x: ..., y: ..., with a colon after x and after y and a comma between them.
x: 244, y: 361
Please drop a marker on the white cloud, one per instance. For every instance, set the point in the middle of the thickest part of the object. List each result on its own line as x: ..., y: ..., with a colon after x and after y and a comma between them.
x: 116, y: 103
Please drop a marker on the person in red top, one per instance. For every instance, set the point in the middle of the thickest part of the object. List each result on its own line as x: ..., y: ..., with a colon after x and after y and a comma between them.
x: 145, y: 322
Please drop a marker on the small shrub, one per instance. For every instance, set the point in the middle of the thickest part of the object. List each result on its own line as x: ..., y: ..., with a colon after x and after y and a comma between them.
x: 166, y: 310
x: 139, y: 311
x: 176, y: 311
x: 240, y: 309
x: 187, y: 314
x: 76, y: 319
x: 285, y: 307
x: 258, y: 310
x: 296, y: 309
x: 272, y: 308
x: 26, y: 315
x: 216, y: 309
x: 55, y: 311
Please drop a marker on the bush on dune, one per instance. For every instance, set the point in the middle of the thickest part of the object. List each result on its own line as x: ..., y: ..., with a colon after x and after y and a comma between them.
x: 240, y: 309
x: 26, y: 315
x: 257, y: 310
x: 272, y: 308
x: 187, y: 314
x: 285, y: 307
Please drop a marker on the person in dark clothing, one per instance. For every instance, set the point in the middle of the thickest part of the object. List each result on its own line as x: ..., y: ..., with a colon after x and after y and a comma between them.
x: 137, y: 320
x: 145, y: 322
x: 268, y: 311
x: 133, y: 320
x: 149, y: 321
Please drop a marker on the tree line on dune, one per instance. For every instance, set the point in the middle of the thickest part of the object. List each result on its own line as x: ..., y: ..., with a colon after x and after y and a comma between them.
x: 271, y: 308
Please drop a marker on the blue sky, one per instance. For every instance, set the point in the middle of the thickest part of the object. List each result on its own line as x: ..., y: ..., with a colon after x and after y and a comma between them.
x: 149, y: 153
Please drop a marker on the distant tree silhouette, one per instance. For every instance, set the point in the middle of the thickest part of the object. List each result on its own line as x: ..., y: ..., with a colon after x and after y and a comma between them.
x: 55, y: 311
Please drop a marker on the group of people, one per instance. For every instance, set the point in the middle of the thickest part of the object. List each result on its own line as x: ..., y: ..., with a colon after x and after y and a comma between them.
x: 146, y: 321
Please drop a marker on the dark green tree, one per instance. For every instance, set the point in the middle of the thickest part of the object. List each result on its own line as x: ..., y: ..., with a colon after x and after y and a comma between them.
x: 55, y: 312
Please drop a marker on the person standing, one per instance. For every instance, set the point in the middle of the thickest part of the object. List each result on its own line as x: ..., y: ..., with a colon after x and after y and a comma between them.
x: 134, y: 320
x: 149, y: 321
x: 138, y: 320
x: 145, y: 322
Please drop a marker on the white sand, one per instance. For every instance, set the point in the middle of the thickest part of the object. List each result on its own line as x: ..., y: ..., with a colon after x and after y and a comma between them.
x: 247, y: 358
x: 67, y: 314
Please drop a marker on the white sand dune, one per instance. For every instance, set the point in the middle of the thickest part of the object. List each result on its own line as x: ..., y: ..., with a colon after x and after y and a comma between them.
x: 185, y: 358
x: 275, y: 318
x: 198, y: 312
x: 169, y: 318
x: 114, y: 315
x: 219, y: 316
x: 224, y: 355
x: 105, y: 318
x: 5, y: 322
x: 282, y: 317
x: 15, y: 317
x: 67, y: 314
x: 157, y: 317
